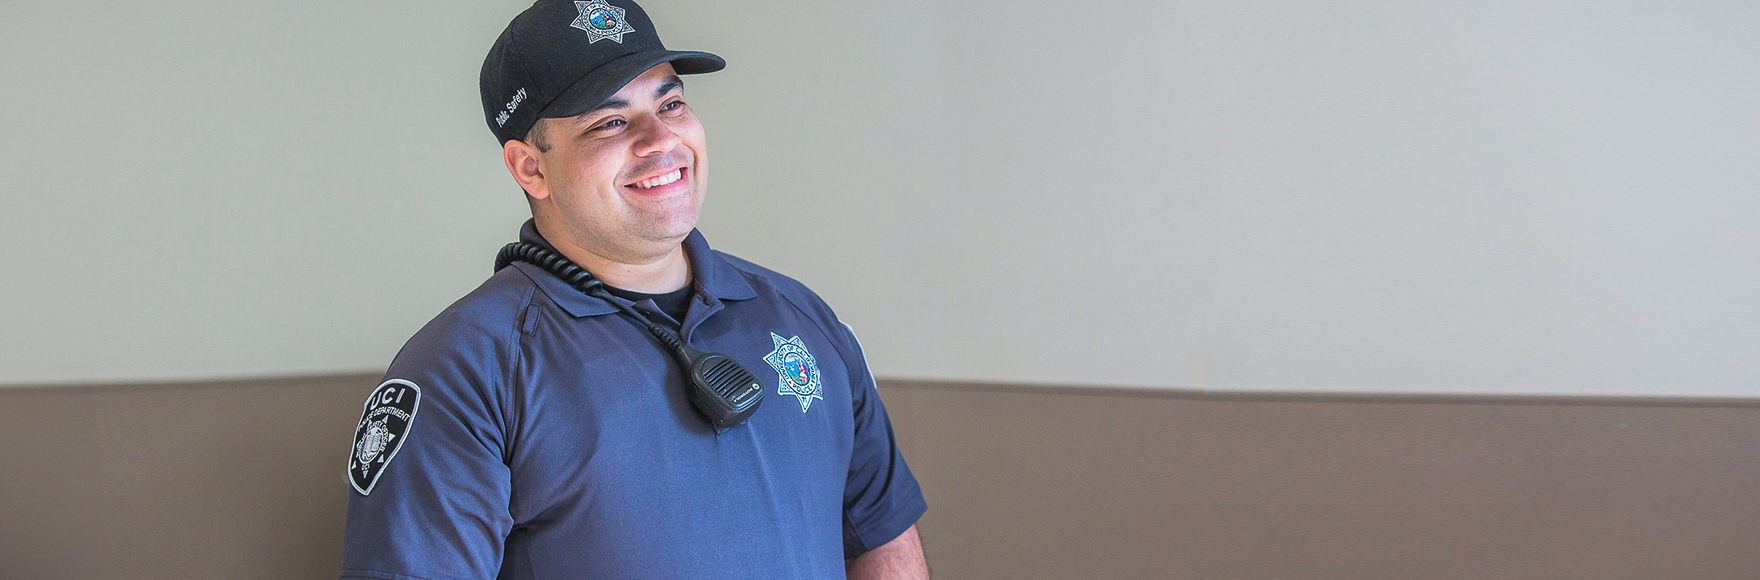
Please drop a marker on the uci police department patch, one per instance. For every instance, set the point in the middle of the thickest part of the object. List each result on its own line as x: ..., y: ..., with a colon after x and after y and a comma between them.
x: 601, y: 21
x: 385, y: 420
x: 796, y: 372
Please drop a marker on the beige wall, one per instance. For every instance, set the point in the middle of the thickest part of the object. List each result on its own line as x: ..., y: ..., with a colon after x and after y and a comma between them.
x: 1486, y: 197
x: 243, y: 480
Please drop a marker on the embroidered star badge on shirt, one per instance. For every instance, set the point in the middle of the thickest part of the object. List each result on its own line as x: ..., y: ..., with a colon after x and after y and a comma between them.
x: 796, y: 372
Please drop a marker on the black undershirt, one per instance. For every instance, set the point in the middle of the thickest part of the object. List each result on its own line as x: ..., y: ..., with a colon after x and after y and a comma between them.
x: 674, y: 303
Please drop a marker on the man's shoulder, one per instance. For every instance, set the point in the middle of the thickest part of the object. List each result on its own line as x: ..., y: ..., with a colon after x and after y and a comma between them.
x: 488, y: 315
x: 763, y: 278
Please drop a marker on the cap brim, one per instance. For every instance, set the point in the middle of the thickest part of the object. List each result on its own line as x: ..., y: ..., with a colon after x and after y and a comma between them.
x: 595, y: 87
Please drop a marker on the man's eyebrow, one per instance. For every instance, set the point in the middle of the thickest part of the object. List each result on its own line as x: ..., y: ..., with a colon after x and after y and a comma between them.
x: 612, y: 103
x: 666, y: 86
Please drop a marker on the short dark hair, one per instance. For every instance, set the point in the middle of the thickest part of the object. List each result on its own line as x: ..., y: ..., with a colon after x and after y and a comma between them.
x: 537, y: 137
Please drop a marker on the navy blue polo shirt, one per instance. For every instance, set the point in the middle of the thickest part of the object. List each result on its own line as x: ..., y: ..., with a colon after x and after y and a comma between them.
x: 532, y: 432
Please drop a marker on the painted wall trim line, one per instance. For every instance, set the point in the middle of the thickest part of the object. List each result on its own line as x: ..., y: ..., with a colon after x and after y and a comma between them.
x: 1322, y: 397
x: 367, y: 380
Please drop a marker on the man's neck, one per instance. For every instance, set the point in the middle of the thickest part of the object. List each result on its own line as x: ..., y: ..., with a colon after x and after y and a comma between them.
x: 669, y: 271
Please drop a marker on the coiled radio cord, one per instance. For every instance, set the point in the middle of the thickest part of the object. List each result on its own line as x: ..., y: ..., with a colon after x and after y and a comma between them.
x: 721, y: 388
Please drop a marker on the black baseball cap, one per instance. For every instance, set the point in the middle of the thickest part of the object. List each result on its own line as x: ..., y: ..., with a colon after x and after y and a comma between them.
x: 563, y: 58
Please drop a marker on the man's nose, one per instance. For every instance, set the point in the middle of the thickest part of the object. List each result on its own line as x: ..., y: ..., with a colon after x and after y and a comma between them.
x: 656, y: 137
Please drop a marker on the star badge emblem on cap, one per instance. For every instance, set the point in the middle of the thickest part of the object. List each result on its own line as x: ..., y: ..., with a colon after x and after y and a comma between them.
x: 601, y: 21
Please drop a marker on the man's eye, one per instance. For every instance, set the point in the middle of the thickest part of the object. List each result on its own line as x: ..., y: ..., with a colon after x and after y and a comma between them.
x: 612, y: 124
x: 672, y: 106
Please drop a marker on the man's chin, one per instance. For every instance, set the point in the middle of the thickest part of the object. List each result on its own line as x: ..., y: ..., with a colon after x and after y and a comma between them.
x: 669, y: 231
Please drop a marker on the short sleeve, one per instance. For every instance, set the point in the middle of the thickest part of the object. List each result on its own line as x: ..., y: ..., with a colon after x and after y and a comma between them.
x: 438, y: 508
x: 881, y: 498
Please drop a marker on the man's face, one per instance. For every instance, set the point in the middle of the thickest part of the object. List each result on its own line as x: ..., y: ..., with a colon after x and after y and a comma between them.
x: 626, y: 180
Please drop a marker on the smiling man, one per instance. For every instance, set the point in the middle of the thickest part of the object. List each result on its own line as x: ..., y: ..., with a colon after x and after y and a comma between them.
x: 563, y: 420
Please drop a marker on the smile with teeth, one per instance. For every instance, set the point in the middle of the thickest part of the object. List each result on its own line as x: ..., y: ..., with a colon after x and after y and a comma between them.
x: 654, y: 182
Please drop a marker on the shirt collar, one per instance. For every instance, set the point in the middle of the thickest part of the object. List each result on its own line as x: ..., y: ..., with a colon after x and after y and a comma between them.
x: 711, y: 275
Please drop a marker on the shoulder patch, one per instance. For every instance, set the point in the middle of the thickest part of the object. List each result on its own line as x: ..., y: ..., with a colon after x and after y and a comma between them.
x: 385, y: 420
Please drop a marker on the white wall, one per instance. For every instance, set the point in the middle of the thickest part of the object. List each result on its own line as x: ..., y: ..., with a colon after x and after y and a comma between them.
x: 205, y: 188
x: 1491, y: 197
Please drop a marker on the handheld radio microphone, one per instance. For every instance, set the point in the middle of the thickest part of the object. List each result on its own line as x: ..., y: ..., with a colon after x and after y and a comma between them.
x: 720, y: 388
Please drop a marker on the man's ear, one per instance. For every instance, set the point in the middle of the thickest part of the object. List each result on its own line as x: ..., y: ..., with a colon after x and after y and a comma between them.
x: 526, y: 164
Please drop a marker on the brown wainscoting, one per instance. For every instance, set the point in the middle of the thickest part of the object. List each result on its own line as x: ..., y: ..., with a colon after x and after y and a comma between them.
x: 214, y: 480
x: 242, y: 480
x: 1030, y: 482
